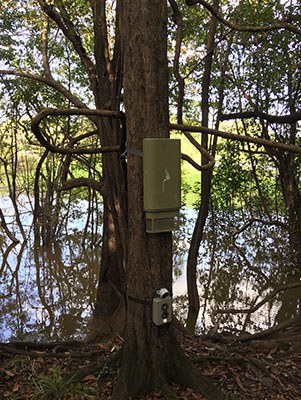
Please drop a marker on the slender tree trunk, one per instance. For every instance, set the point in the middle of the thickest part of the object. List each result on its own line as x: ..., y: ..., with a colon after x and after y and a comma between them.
x: 292, y: 199
x: 206, y: 178
x: 109, y: 315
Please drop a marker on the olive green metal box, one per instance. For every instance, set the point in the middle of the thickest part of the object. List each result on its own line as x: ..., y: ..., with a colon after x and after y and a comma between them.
x: 161, y: 183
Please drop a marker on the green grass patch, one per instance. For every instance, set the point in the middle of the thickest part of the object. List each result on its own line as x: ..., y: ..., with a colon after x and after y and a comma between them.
x: 55, y: 387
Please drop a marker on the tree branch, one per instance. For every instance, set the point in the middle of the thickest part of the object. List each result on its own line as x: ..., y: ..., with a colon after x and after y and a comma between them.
x: 253, y: 220
x: 4, y: 226
x: 258, y: 305
x: 185, y: 157
x: 240, y: 138
x: 45, y: 58
x: 49, y: 81
x: 86, y: 182
x: 101, y: 51
x: 65, y: 24
x: 277, y: 119
x: 177, y: 17
x: 203, y: 151
x: 281, y: 25
x: 45, y: 140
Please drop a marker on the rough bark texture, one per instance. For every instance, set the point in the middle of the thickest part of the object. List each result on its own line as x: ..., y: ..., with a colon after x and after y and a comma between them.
x: 109, y: 314
x: 291, y: 194
x: 151, y: 358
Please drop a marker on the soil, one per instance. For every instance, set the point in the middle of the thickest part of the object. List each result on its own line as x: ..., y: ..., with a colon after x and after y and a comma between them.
x: 261, y: 369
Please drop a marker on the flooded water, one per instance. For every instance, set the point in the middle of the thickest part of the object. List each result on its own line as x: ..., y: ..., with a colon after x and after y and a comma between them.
x: 48, y: 292
x: 238, y: 271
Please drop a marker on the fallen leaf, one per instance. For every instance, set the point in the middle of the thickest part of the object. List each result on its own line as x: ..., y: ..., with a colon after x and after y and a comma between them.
x: 16, y: 388
x: 9, y: 373
x: 90, y: 378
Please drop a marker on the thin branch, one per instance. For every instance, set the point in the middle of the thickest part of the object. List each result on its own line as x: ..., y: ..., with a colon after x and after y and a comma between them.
x: 240, y: 138
x: 45, y: 58
x: 84, y: 182
x: 281, y: 25
x: 204, y: 167
x: 49, y: 81
x: 65, y: 24
x: 277, y: 119
x: 4, y: 226
x: 45, y: 140
x: 177, y: 17
x: 258, y: 305
x: 202, y: 150
x: 253, y: 220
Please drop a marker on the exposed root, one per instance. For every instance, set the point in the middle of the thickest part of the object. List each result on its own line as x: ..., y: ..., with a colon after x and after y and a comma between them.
x: 105, y: 330
x: 140, y: 375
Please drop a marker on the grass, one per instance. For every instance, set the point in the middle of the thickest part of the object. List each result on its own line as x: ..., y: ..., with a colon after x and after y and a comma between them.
x: 43, y: 377
x: 55, y: 387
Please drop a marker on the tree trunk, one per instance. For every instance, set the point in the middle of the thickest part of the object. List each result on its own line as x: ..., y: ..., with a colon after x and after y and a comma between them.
x: 150, y: 358
x: 109, y: 314
x: 291, y: 193
x: 206, y: 180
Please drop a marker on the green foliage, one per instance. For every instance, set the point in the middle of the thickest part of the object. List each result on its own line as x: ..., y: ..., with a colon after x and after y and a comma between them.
x: 231, y: 181
x: 55, y: 387
x: 250, y: 71
x: 245, y: 179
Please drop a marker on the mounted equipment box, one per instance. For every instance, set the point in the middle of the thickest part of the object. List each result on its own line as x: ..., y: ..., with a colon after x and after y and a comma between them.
x: 161, y: 183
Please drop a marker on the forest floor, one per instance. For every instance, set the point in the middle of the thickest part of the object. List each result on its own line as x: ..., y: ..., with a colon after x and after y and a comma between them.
x: 262, y: 368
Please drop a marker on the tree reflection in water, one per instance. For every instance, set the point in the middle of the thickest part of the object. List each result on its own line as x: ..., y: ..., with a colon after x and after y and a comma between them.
x: 238, y: 269
x: 48, y: 293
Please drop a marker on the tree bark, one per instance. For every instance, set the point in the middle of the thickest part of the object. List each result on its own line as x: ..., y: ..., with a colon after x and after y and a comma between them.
x: 292, y: 198
x: 150, y: 358
x: 109, y: 314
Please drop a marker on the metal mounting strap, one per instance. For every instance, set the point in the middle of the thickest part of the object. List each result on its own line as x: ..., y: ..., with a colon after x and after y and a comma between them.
x: 139, y: 301
x: 134, y: 152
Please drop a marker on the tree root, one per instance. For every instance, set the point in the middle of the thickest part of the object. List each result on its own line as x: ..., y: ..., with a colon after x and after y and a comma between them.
x: 268, y: 332
x: 58, y: 349
x: 237, y: 359
x: 137, y: 376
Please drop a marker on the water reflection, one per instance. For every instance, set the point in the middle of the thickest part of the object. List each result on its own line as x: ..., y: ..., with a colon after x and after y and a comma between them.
x: 237, y: 271
x: 47, y: 292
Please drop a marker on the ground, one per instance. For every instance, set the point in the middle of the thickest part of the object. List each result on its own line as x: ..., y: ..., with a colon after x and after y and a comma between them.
x: 261, y: 369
